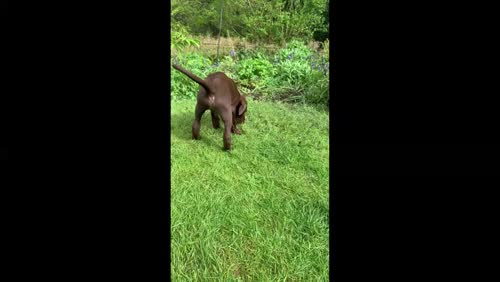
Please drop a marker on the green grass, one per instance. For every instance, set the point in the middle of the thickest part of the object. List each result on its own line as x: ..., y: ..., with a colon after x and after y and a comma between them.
x: 259, y: 212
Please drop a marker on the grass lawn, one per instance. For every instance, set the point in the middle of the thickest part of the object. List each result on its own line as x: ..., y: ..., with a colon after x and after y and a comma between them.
x: 259, y: 212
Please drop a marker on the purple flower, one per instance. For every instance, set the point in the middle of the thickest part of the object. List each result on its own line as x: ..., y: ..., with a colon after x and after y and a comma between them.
x: 232, y: 53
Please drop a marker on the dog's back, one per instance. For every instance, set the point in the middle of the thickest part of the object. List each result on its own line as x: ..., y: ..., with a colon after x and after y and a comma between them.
x: 222, y: 84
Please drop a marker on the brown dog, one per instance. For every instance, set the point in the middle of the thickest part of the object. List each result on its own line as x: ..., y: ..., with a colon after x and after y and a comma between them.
x: 219, y: 94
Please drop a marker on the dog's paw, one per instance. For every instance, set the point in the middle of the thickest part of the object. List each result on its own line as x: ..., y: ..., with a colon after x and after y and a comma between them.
x: 227, y: 145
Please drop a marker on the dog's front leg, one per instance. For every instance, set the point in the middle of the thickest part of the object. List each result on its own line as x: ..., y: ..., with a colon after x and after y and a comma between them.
x: 227, y: 130
x: 234, y: 129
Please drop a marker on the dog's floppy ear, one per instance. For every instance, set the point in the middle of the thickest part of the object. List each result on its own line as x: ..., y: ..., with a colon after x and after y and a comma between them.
x: 243, y: 105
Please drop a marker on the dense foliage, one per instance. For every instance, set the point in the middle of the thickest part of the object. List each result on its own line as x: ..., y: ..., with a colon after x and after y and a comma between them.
x: 255, y: 20
x: 294, y: 73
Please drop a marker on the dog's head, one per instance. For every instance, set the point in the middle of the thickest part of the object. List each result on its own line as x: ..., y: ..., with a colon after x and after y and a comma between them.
x: 241, y: 110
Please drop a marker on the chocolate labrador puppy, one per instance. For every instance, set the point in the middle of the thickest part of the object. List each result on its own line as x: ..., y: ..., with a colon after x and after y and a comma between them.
x: 219, y: 94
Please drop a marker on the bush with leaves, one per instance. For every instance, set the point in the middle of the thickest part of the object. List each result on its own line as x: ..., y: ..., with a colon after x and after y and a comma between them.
x: 295, y: 51
x: 301, y: 76
x: 227, y: 65
x: 180, y: 38
x: 255, y: 70
x: 181, y: 86
x: 326, y: 49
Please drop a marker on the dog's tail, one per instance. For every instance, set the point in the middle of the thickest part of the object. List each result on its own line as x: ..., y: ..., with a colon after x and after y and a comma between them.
x: 194, y: 77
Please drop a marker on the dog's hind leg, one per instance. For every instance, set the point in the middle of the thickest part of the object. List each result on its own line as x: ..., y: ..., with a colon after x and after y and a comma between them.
x: 197, y: 120
x: 215, y: 119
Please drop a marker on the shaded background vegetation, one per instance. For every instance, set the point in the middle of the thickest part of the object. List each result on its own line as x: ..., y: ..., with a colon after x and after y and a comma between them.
x: 255, y: 20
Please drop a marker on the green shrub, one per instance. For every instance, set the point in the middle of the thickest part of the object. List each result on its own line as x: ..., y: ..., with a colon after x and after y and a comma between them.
x: 295, y: 51
x: 180, y: 38
x: 226, y: 65
x: 255, y: 71
x: 317, y: 88
x: 181, y: 86
x: 326, y: 49
x: 300, y: 76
